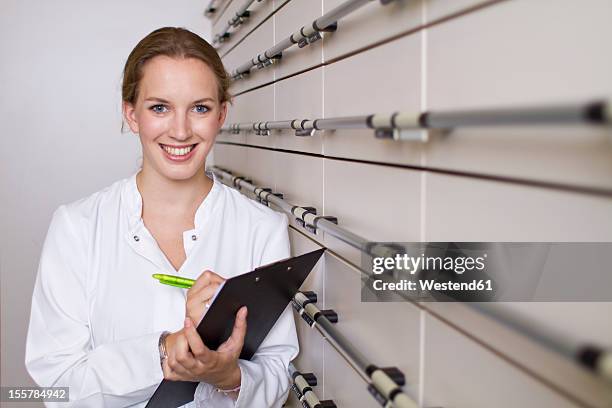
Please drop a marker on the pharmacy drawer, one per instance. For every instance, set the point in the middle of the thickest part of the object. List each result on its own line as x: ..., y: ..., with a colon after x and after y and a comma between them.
x: 288, y: 20
x: 379, y: 203
x: 503, y: 56
x: 391, y: 82
x: 437, y: 9
x: 370, y: 24
x: 259, y: 10
x: 255, y: 43
x: 256, y: 106
x: 260, y: 167
x: 468, y: 209
x: 387, y: 333
x: 459, y: 372
x: 300, y: 179
x: 232, y: 158
x: 310, y: 358
x: 299, y: 97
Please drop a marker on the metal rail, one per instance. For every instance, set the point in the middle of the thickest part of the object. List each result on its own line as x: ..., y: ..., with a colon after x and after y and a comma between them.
x: 402, y: 125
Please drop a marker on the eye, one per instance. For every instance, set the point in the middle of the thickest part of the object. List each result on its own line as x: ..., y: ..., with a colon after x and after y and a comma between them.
x: 158, y: 108
x: 201, y: 109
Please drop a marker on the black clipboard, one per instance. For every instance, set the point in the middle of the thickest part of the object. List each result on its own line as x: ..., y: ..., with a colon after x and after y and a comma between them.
x: 266, y: 291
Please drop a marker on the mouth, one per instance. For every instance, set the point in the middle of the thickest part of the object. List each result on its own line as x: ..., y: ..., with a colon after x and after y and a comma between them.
x: 178, y: 153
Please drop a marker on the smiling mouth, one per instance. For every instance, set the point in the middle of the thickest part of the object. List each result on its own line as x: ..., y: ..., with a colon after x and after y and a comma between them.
x: 178, y: 151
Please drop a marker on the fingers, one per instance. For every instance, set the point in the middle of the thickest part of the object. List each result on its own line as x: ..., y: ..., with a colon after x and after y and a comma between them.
x: 195, y: 305
x: 197, y: 346
x: 236, y: 340
x: 205, y: 279
x: 180, y: 360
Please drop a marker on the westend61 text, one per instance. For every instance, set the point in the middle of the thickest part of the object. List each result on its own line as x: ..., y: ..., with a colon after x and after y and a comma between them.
x: 430, y: 284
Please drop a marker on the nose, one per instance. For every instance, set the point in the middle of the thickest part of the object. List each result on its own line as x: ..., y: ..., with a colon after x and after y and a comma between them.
x: 181, y: 127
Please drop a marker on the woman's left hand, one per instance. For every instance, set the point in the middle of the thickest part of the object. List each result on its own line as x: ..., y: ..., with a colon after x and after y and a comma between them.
x: 190, y: 360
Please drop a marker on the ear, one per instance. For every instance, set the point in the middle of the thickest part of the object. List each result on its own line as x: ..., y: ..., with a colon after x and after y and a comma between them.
x: 129, y: 113
x: 222, y: 114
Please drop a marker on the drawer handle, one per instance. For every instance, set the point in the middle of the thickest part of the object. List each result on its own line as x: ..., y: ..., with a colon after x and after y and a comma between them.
x: 408, y: 126
x: 596, y: 359
x: 302, y: 383
x: 308, y: 34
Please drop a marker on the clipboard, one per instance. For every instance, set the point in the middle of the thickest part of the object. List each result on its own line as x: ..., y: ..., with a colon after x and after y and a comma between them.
x: 266, y: 291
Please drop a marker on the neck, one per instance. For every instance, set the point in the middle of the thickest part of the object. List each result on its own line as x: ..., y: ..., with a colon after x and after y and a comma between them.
x: 172, y: 197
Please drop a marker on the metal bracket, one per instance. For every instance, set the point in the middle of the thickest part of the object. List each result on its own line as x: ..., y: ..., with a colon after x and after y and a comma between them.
x: 313, y: 228
x: 331, y: 315
x: 242, y: 75
x: 416, y: 135
x: 262, y: 190
x: 222, y: 37
x: 240, y: 19
x: 267, y: 203
x: 269, y: 61
x: 305, y: 132
x: 309, y: 210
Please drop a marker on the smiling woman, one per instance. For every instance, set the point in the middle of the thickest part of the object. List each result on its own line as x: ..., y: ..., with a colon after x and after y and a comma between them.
x: 99, y: 323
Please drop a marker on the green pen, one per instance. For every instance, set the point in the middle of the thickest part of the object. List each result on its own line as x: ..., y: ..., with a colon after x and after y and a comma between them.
x: 172, y: 280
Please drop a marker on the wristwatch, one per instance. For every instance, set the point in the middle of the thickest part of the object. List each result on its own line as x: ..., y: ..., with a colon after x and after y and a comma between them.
x: 162, y: 348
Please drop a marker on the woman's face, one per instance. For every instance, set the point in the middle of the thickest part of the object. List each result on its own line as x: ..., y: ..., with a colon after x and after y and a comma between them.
x: 177, y: 115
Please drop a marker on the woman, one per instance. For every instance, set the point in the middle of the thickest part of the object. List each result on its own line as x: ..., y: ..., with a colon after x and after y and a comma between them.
x: 99, y: 320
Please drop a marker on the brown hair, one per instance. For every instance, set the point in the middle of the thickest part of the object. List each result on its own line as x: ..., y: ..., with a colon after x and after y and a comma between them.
x: 172, y: 42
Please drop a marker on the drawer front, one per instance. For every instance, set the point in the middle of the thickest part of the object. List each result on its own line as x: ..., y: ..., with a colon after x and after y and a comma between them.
x: 233, y: 158
x: 467, y: 209
x: 254, y: 106
x: 300, y: 97
x: 259, y: 11
x: 502, y: 56
x: 260, y: 167
x: 389, y: 81
x: 300, y: 179
x: 289, y: 20
x: 387, y: 333
x: 378, y: 203
x: 257, y: 42
x: 460, y: 373
x: 370, y: 24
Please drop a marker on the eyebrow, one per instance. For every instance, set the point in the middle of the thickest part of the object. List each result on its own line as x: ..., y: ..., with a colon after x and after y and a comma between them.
x: 156, y: 99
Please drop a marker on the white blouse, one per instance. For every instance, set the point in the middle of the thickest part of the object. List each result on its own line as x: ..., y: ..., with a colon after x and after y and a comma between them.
x: 97, y: 313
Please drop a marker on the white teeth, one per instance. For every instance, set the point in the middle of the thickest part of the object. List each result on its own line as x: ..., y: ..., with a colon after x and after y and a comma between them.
x: 177, y: 151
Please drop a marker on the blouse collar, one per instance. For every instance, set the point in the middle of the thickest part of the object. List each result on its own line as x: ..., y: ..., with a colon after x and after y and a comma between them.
x: 133, y: 201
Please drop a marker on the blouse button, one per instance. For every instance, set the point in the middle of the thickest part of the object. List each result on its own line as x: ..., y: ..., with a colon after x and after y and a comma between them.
x: 194, y: 237
x: 136, y: 238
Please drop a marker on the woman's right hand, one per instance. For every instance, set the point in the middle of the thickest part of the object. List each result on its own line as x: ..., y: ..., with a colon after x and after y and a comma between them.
x: 200, y: 294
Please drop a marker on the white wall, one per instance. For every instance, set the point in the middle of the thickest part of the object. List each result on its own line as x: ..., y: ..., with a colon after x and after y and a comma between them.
x: 60, y: 121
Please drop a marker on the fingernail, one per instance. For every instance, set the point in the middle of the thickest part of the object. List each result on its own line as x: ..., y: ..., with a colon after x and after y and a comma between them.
x: 187, y: 322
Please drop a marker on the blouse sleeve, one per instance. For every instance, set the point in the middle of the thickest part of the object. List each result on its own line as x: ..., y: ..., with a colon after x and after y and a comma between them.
x: 59, y: 347
x: 264, y: 378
